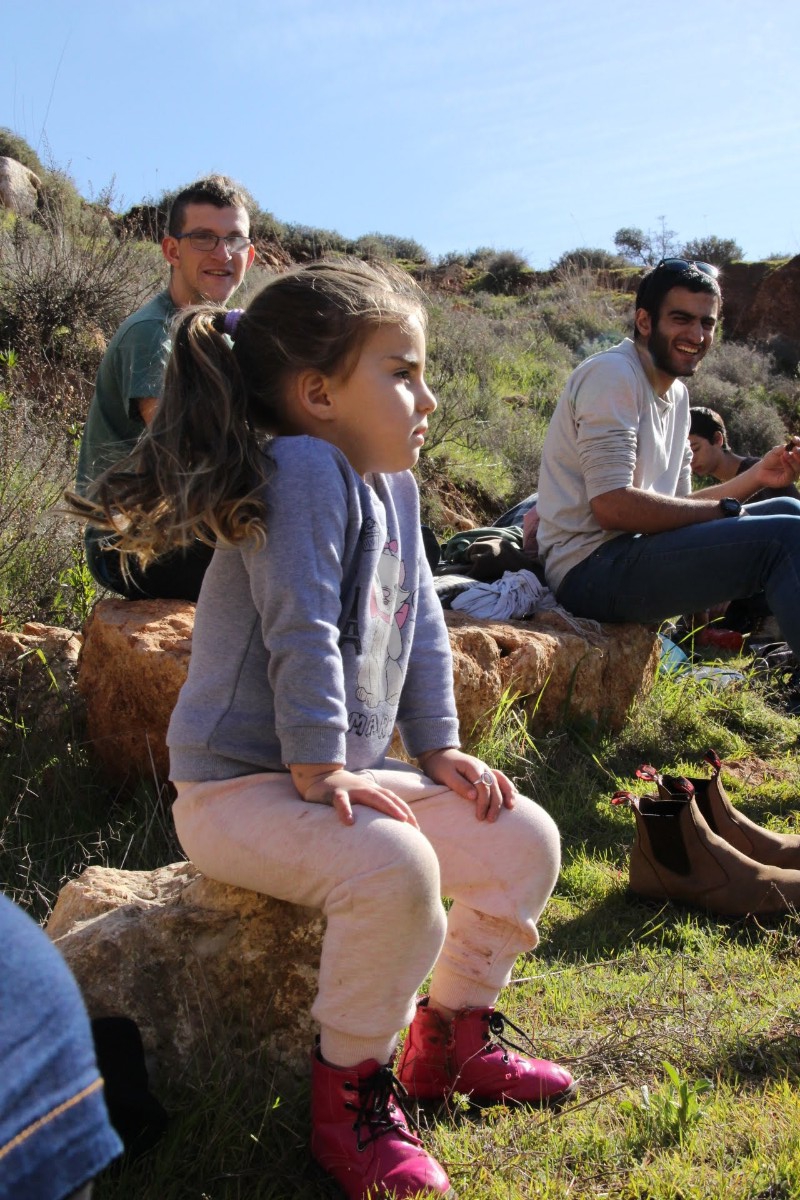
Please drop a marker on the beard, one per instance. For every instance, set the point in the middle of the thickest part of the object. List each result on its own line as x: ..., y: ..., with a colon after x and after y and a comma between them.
x: 664, y: 360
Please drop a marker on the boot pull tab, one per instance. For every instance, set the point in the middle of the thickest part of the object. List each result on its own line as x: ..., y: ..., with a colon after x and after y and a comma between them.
x: 678, y: 785
x: 713, y: 759
x: 645, y: 771
x: 623, y: 797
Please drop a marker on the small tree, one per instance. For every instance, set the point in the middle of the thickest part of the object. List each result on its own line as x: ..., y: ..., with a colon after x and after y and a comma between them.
x: 633, y: 243
x: 648, y: 247
x: 719, y: 251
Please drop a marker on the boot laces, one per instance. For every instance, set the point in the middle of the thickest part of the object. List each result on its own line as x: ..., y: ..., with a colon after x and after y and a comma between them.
x: 497, y: 1023
x: 379, y: 1097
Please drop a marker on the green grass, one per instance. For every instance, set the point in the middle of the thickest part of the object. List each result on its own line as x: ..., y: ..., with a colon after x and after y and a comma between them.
x: 684, y: 1030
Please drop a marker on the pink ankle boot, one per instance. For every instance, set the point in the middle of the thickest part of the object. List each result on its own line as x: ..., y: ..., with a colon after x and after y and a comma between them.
x: 360, y: 1134
x: 441, y: 1057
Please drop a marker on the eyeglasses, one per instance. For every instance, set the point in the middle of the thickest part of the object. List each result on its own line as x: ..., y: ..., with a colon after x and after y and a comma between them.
x: 207, y: 242
x: 686, y: 264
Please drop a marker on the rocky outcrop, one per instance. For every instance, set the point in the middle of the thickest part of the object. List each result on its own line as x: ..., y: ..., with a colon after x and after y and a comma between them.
x: 135, y: 657
x: 762, y: 302
x: 556, y: 672
x: 19, y: 187
x: 206, y: 971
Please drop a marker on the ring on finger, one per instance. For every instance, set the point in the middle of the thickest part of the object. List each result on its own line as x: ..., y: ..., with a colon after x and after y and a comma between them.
x: 486, y: 778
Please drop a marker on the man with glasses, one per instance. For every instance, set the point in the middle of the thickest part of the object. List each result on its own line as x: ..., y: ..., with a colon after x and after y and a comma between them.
x: 209, y: 250
x: 622, y: 535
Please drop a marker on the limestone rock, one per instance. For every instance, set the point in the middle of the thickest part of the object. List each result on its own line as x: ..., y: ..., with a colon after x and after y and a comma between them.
x: 19, y: 187
x: 136, y: 655
x: 205, y: 970
x: 133, y: 663
x: 556, y: 672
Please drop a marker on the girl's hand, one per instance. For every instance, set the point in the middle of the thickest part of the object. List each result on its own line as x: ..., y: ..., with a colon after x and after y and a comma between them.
x: 334, y: 785
x: 471, y: 779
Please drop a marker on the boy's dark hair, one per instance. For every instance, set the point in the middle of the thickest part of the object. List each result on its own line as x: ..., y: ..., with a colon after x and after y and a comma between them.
x: 706, y: 423
x: 656, y: 283
x: 218, y: 190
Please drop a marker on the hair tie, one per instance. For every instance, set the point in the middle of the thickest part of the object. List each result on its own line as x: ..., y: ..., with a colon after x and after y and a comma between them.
x: 232, y: 318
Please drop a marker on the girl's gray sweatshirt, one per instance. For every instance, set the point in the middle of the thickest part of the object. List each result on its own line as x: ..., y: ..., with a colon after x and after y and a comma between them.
x: 312, y: 648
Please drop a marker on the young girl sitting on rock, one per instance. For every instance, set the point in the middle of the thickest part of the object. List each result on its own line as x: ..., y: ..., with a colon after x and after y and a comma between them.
x: 287, y: 432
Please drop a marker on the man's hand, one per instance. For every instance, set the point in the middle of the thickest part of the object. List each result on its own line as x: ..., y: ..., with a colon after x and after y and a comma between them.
x: 471, y: 779
x: 780, y: 466
x: 330, y: 783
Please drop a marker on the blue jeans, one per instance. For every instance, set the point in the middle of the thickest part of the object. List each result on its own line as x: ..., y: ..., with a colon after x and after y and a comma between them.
x: 648, y: 577
x: 55, y: 1134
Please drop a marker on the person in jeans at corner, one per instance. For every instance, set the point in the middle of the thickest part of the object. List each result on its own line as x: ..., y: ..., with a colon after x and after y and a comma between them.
x: 55, y: 1133
x: 208, y: 248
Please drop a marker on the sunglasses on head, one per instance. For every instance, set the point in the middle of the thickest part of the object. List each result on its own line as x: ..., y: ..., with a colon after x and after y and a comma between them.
x: 686, y: 264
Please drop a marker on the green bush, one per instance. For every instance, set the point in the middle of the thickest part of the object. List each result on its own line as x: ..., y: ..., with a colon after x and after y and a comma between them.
x: 65, y: 285
x: 578, y: 313
x: 385, y: 247
x: 712, y: 249
x: 754, y: 399
x: 453, y: 258
x: 497, y: 374
x: 589, y: 258
x: 506, y: 273
x: 14, y: 146
x: 305, y: 242
x: 37, y: 547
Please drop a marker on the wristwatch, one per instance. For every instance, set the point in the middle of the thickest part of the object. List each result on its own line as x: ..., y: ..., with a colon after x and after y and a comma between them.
x: 730, y: 507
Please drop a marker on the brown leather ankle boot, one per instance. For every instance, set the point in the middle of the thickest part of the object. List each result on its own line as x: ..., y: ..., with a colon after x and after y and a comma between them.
x: 676, y: 856
x: 764, y: 845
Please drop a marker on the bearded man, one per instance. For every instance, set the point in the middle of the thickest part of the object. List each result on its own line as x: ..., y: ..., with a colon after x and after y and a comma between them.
x: 621, y: 533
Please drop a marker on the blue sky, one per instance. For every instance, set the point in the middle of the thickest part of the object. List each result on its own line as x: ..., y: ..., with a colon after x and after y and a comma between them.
x: 530, y: 125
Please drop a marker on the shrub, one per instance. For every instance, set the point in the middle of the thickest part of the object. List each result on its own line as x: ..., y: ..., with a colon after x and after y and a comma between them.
x: 385, y: 246
x: 37, y: 547
x: 506, y: 274
x: 480, y: 257
x: 580, y: 314
x: 14, y: 146
x: 711, y: 249
x: 742, y: 385
x: 460, y: 345
x: 65, y: 285
x: 497, y: 374
x: 305, y: 242
x: 588, y: 258
x: 453, y: 258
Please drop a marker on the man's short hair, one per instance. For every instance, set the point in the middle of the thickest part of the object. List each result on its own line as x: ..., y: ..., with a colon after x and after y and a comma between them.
x: 218, y: 190
x: 667, y: 275
x: 706, y: 423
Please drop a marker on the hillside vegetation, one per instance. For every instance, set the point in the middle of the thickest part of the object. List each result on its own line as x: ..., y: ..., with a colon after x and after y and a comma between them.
x: 683, y: 1029
x: 503, y: 339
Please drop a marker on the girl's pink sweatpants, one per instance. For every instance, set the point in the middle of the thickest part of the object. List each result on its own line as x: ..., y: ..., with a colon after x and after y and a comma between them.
x: 380, y: 884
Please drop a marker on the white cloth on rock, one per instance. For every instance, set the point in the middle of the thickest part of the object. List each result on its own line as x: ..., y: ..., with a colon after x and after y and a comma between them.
x: 518, y: 594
